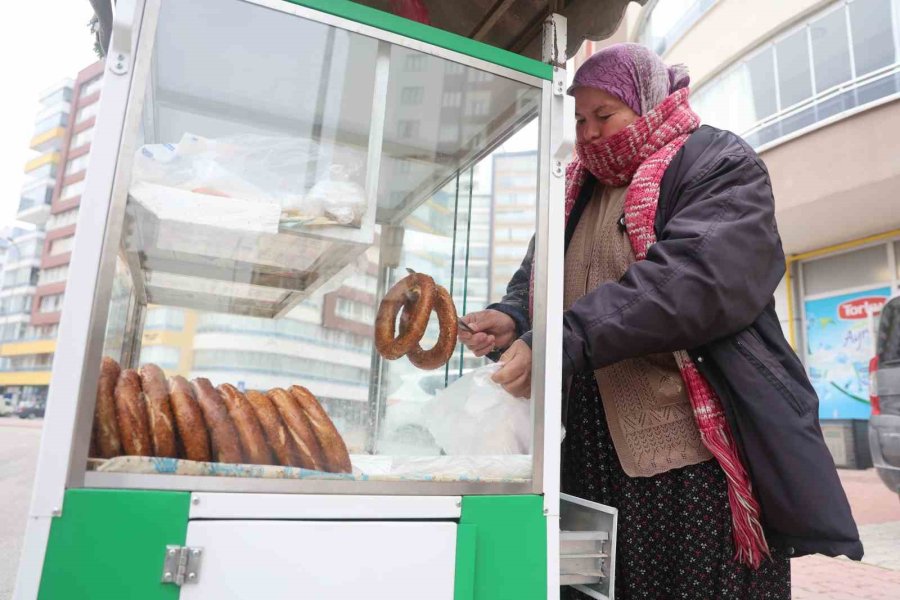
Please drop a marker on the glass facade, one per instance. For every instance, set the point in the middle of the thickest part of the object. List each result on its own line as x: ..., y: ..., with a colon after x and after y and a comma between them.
x: 841, y: 296
x: 667, y: 20
x: 841, y: 58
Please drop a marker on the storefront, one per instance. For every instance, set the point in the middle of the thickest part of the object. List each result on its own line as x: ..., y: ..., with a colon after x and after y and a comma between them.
x: 839, y: 294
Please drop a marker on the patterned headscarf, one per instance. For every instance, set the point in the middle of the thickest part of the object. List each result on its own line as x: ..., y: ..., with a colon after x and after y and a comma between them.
x: 632, y: 73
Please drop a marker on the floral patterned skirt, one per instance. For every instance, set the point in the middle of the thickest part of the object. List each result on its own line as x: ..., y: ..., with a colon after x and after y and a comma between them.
x: 674, y: 537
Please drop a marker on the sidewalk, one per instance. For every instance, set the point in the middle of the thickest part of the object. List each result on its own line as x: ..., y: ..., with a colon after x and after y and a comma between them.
x: 877, y: 577
x: 21, y: 423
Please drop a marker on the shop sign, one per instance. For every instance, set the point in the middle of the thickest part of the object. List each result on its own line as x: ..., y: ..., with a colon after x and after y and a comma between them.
x: 839, y: 346
x: 861, y: 308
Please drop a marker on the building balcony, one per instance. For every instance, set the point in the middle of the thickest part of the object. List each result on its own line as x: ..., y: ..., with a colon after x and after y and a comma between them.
x: 33, y: 212
x: 34, y: 203
x: 54, y: 121
x: 827, y: 107
x: 49, y: 158
x: 26, y: 347
x: 35, y: 376
x: 52, y: 139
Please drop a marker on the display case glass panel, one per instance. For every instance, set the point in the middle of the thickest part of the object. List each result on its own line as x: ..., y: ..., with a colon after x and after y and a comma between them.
x: 283, y: 175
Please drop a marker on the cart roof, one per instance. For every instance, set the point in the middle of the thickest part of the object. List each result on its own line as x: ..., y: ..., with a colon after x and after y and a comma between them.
x: 513, y: 25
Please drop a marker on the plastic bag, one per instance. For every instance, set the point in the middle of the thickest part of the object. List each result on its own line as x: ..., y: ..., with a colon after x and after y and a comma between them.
x: 475, y: 416
x: 311, y: 182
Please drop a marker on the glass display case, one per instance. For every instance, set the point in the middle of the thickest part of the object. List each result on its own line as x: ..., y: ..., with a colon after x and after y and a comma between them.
x: 264, y: 174
x: 273, y: 187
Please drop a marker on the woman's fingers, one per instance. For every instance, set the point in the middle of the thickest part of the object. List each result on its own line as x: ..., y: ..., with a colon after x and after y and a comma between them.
x: 515, y: 374
x: 478, y: 343
x: 512, y: 369
x: 521, y: 387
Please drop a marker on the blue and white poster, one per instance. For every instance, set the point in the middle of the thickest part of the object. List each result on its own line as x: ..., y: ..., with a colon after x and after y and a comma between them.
x: 839, y: 345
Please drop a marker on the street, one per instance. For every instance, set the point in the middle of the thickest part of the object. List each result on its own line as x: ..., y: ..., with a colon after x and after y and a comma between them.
x: 18, y: 456
x: 877, y: 512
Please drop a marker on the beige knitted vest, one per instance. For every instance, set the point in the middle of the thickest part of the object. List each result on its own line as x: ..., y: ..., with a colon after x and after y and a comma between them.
x: 647, y: 408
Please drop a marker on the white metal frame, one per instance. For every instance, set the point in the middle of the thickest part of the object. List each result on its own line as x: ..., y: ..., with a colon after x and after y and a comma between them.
x: 78, y: 477
x: 71, y: 402
x: 78, y: 363
x: 286, y: 506
x: 72, y: 369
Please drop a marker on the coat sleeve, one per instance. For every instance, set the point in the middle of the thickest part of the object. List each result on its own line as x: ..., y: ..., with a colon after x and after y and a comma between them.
x: 515, y: 302
x: 712, y: 271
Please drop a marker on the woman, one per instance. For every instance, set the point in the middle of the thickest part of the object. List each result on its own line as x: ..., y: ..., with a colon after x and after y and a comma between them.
x: 686, y: 409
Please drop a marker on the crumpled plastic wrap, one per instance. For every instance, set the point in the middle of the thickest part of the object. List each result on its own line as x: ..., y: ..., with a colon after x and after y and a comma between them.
x: 311, y: 183
x: 475, y: 416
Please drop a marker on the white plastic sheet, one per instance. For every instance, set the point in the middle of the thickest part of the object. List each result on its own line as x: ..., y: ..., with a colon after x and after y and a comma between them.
x: 475, y: 416
x: 310, y: 183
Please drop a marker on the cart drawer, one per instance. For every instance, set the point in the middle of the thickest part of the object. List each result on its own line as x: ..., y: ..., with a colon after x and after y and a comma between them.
x: 323, y: 559
x: 587, y: 546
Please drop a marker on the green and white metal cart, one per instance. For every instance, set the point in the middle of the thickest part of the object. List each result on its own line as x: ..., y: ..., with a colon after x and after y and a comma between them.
x: 419, y: 111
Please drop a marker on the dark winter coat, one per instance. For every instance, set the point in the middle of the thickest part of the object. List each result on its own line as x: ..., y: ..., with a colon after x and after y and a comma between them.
x: 707, y: 286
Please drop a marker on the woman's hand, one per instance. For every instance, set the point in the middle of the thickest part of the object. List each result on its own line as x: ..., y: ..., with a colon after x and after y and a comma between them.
x: 493, y: 329
x: 515, y: 373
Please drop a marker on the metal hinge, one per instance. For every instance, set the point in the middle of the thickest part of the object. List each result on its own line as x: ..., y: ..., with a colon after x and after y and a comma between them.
x: 182, y: 565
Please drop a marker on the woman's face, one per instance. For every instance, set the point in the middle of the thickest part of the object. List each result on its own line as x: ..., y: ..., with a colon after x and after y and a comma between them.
x: 599, y: 115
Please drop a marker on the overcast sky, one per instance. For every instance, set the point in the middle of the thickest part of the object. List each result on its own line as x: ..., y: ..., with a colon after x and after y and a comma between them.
x: 40, y: 44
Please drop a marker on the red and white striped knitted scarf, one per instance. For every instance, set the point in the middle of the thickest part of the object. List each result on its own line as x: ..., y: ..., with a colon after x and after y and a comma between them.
x: 639, y: 155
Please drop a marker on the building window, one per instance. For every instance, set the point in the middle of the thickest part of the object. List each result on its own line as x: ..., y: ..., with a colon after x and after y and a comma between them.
x: 279, y: 364
x: 72, y: 190
x: 91, y: 86
x: 25, y: 250
x: 41, y: 332
x: 51, y: 303
x: 31, y: 362
x: 60, y: 96
x: 843, y: 294
x: 794, y: 78
x: 15, y: 304
x: 452, y: 99
x: 414, y: 63
x: 408, y: 128
x: 41, y: 173
x: 12, y: 331
x: 165, y: 318
x: 454, y: 67
x: 817, y: 70
x: 666, y: 21
x: 61, y: 245
x: 76, y: 165
x: 477, y: 107
x: 479, y: 76
x: 51, y: 122
x: 354, y: 311
x: 63, y: 219
x: 165, y: 357
x: 847, y: 271
x: 22, y: 276
x: 35, y: 196
x: 412, y: 95
x: 80, y: 139
x: 86, y: 112
x: 286, y: 328
x: 53, y: 275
